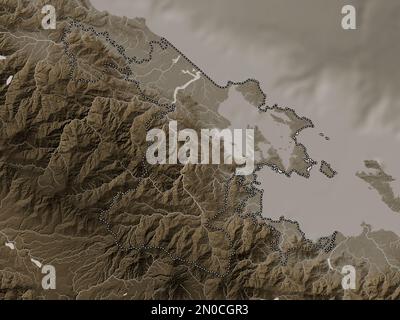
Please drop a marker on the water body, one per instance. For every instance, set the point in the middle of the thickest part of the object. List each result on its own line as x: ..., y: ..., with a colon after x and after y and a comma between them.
x: 277, y: 134
x: 344, y: 81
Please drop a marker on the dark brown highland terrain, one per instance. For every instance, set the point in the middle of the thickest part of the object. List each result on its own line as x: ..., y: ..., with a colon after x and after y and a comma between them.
x: 77, y: 193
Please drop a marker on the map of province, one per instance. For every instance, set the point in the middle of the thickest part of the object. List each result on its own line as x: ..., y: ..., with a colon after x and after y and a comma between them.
x: 77, y: 193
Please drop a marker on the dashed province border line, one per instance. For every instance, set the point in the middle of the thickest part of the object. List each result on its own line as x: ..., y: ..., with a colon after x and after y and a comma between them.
x: 325, y: 243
